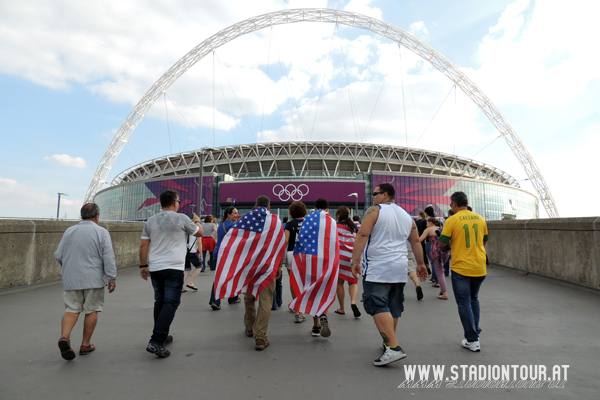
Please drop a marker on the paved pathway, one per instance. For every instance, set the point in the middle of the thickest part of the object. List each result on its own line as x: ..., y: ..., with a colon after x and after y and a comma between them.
x: 525, y: 320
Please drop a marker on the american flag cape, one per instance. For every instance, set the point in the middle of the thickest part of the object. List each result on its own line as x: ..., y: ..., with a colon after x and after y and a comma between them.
x: 316, y: 264
x: 250, y: 255
x: 346, y: 237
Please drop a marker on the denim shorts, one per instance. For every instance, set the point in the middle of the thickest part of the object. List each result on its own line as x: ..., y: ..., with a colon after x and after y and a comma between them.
x: 191, y: 258
x: 381, y: 297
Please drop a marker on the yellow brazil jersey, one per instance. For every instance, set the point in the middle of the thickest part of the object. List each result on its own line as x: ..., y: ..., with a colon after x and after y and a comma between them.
x: 466, y: 232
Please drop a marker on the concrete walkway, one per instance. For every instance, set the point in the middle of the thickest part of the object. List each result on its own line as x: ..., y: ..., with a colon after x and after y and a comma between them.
x: 525, y: 319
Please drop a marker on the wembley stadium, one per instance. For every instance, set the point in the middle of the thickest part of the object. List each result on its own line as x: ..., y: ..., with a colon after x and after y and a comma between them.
x: 342, y: 173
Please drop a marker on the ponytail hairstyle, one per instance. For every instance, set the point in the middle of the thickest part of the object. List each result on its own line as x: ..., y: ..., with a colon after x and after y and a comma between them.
x: 228, y: 212
x: 342, y: 214
x: 434, y: 221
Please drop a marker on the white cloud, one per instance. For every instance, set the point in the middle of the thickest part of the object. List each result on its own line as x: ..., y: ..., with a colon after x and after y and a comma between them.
x: 535, y: 55
x: 566, y: 184
x: 538, y: 54
x: 362, y: 7
x: 128, y: 43
x: 66, y: 160
x: 33, y: 203
x: 418, y: 29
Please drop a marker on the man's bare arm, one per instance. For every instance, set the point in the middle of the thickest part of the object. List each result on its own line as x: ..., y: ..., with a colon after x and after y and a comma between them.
x: 195, y: 219
x: 415, y: 244
x: 144, y: 251
x: 362, y: 236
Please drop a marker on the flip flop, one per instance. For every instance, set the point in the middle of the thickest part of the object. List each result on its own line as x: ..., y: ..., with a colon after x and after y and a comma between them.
x: 355, y: 310
x: 65, y: 349
x: 184, y: 290
x: 192, y: 287
x: 339, y: 312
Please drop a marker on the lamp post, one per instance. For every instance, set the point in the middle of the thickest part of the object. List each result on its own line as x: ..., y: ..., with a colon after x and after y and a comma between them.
x: 355, y: 195
x: 58, y: 208
x: 200, y: 179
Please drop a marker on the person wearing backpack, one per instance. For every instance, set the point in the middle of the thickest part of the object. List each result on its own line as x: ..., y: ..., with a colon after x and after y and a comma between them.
x: 193, y: 257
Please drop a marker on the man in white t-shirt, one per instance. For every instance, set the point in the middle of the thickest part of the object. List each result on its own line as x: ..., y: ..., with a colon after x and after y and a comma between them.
x: 162, y: 257
x: 383, y: 240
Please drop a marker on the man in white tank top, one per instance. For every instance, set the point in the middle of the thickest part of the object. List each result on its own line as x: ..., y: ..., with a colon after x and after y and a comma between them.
x: 382, y: 244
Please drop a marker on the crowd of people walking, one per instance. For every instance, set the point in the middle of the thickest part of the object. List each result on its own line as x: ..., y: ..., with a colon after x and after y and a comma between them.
x: 322, y: 255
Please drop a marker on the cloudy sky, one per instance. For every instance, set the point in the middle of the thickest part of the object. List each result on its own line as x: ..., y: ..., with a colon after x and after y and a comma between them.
x: 71, y: 72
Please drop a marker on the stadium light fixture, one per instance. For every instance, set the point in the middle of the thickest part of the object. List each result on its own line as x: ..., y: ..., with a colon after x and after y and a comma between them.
x: 58, y: 208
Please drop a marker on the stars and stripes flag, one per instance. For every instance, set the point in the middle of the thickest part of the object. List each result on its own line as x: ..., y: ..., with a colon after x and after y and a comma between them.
x: 346, y: 236
x: 250, y: 255
x: 315, y: 265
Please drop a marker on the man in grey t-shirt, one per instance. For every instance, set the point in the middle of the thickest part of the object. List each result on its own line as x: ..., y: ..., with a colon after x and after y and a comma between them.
x: 162, y: 257
x: 87, y: 258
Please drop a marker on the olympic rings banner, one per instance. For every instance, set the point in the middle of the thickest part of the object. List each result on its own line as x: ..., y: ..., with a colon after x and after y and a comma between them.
x: 288, y: 191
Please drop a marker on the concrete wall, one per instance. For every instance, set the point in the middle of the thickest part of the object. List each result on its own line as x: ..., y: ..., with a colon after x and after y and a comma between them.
x: 563, y: 248
x: 27, y: 249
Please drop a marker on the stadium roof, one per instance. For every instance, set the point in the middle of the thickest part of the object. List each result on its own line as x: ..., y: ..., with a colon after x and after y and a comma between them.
x: 304, y: 159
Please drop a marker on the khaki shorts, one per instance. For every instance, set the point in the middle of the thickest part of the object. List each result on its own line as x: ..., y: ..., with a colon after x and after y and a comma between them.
x: 412, y: 261
x: 88, y: 300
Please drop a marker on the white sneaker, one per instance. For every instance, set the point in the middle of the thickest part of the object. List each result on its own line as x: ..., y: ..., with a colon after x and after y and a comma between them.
x: 389, y: 356
x: 473, y: 346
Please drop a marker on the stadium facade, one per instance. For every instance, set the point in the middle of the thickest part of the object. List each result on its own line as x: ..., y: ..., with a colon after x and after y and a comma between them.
x: 308, y: 170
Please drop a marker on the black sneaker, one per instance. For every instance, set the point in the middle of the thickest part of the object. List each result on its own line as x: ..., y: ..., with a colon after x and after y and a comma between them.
x: 158, y: 349
x: 169, y: 340
x: 419, y: 293
x: 316, y: 331
x: 325, y: 331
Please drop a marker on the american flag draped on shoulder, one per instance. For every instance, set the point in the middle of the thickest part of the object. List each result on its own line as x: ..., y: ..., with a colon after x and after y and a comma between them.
x: 250, y: 254
x: 316, y: 264
x: 347, y: 237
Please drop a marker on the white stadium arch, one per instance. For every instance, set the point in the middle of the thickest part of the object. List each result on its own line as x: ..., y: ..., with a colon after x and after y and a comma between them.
x: 338, y: 17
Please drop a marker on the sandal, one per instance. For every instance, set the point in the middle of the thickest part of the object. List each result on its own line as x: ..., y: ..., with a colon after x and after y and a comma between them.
x: 184, y: 290
x: 339, y: 312
x: 436, y: 285
x: 192, y: 287
x: 83, y: 350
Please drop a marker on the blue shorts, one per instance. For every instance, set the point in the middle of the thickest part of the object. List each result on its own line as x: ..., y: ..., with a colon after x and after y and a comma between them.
x: 381, y: 297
